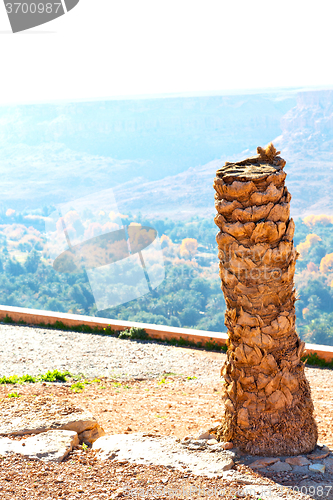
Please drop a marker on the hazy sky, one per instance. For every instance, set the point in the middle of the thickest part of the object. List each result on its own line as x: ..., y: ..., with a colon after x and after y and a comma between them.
x: 105, y: 48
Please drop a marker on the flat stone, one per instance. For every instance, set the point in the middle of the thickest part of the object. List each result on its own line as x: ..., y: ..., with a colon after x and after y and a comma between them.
x: 51, y: 446
x: 320, y: 453
x: 263, y: 462
x: 210, y: 442
x: 317, y: 468
x: 300, y: 460
x: 196, y: 447
x: 300, y: 469
x: 33, y: 415
x: 163, y: 450
x: 6, y: 446
x: 198, y: 442
x: 280, y: 467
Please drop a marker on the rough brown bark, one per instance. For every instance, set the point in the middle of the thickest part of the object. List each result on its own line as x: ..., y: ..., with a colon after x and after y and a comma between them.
x: 268, y: 406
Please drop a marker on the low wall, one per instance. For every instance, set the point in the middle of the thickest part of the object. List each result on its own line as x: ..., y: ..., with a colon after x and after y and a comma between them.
x: 36, y: 316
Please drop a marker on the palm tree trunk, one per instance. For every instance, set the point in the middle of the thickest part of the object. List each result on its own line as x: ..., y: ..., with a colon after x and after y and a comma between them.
x: 268, y: 406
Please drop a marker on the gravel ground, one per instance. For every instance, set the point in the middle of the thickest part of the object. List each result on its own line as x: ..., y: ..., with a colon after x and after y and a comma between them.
x: 185, y: 405
x: 31, y: 350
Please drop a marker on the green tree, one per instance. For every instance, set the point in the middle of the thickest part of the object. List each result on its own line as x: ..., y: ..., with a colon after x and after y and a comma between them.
x: 31, y: 264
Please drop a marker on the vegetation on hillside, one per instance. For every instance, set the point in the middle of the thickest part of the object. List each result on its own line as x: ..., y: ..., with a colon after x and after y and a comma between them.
x: 189, y: 296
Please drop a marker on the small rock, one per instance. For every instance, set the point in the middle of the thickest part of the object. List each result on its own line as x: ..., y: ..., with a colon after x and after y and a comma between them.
x: 297, y: 460
x: 226, y: 464
x: 119, y: 493
x: 263, y: 462
x: 202, y: 434
x: 198, y: 442
x: 233, y: 475
x: 90, y: 436
x: 186, y: 438
x: 280, y: 467
x: 215, y: 447
x: 228, y: 445
x: 218, y: 446
x: 317, y: 468
x: 210, y: 442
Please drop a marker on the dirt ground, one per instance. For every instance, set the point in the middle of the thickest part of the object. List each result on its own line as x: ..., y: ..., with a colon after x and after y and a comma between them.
x: 171, y: 405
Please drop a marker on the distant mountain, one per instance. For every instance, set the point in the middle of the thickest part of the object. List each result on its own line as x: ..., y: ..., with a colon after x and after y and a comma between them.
x: 307, y: 128
x: 53, y: 151
x: 34, y: 176
x: 306, y: 142
x: 160, y: 155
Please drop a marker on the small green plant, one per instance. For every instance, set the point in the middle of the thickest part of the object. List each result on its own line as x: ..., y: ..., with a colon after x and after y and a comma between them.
x: 84, y: 446
x: 192, y: 378
x: 13, y: 395
x: 27, y: 378
x: 109, y: 331
x: 77, y: 387
x: 55, y: 376
x: 50, y: 376
x: 134, y: 333
x: 314, y: 360
x: 8, y: 319
x: 13, y: 379
x: 211, y: 345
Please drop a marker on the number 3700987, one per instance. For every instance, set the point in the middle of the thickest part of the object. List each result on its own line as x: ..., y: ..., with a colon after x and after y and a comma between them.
x: 32, y: 8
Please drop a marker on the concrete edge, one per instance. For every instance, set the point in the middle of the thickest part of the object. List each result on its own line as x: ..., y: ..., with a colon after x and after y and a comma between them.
x: 36, y: 316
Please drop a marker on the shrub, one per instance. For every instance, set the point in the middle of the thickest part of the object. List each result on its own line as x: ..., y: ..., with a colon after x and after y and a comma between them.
x: 134, y: 333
